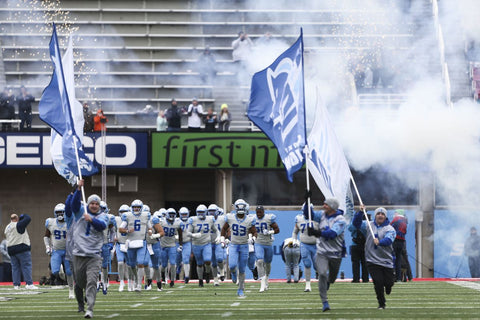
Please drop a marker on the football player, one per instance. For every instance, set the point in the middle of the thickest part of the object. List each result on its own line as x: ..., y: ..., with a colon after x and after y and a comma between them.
x: 187, y: 244
x: 266, y: 226
x: 199, y: 228
x: 307, y: 244
x: 120, y: 249
x: 136, y: 224
x: 171, y: 226
x: 55, y: 242
x: 108, y: 239
x: 217, y: 249
x: 242, y: 227
x: 153, y: 241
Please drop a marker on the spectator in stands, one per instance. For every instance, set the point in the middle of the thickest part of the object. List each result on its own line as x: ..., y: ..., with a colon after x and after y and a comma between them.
x: 161, y: 121
x: 7, y: 108
x: 472, y: 251
x: 174, y: 117
x: 24, y: 100
x: 224, y: 119
x: 195, y: 114
x: 210, y: 120
x: 399, y: 223
x: 88, y: 117
x: 100, y: 121
x: 207, y: 66
x: 242, y: 47
x: 264, y: 40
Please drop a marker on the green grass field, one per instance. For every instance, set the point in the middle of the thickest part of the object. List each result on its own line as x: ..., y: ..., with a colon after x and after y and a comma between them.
x: 413, y: 300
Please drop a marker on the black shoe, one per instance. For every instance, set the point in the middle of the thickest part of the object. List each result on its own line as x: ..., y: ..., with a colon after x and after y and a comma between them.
x: 388, y: 290
x: 186, y: 280
x: 206, y: 276
x: 255, y: 274
x: 159, y: 285
x: 149, y: 282
x: 222, y: 278
x: 382, y: 306
x: 289, y: 281
x: 81, y: 308
x: 200, y: 283
x: 355, y: 281
x: 172, y: 283
x: 296, y: 281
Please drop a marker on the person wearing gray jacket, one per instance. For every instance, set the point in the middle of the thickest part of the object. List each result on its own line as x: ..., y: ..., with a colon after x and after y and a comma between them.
x: 378, y: 251
x: 330, y: 245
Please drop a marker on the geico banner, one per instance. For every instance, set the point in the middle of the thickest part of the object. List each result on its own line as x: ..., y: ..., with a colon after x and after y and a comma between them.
x: 241, y: 150
x: 33, y: 150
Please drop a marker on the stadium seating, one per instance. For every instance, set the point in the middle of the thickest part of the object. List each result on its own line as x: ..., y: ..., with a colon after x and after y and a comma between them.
x: 132, y: 54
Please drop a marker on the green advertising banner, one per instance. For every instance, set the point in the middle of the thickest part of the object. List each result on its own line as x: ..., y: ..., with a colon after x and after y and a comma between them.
x: 222, y: 150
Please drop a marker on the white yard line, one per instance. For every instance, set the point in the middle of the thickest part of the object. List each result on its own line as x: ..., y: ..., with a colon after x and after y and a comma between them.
x: 467, y: 284
x: 136, y: 305
x: 235, y: 304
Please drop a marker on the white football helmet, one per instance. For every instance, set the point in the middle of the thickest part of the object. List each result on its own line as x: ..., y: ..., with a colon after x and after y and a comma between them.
x: 241, y: 207
x: 212, y: 210
x: 123, y: 208
x: 201, y: 211
x: 104, y: 206
x: 184, y: 213
x: 59, y: 211
x: 146, y: 208
x: 171, y: 214
x: 162, y: 213
x: 137, y: 206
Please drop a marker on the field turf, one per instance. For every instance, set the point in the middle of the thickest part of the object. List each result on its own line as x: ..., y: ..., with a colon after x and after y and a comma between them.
x: 412, y: 300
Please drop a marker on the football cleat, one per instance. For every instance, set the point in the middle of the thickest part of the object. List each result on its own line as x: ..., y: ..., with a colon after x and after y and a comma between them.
x: 122, y: 285
x: 172, y: 283
x: 240, y: 293
x: 234, y: 277
x: 186, y: 280
x: 200, y: 283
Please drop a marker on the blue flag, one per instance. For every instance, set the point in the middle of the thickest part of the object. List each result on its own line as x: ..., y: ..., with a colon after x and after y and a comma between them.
x: 55, y: 108
x: 277, y: 106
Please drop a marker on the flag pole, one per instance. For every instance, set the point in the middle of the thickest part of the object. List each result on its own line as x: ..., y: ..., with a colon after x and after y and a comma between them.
x: 306, y: 151
x: 79, y: 169
x: 361, y: 204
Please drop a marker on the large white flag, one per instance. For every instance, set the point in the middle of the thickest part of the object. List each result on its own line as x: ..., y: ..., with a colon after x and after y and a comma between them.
x: 327, y: 163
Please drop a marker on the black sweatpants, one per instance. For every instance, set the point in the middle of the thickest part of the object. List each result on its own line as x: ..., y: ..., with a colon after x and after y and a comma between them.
x: 383, y: 280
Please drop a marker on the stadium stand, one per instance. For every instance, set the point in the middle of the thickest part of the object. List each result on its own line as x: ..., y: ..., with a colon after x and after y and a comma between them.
x: 136, y: 53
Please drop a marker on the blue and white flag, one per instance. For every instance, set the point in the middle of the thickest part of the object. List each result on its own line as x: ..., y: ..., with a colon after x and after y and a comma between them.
x: 327, y: 163
x: 59, y: 108
x: 277, y: 106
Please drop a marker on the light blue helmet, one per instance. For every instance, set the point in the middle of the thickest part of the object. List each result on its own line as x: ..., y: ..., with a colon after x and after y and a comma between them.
x: 59, y: 211
x: 184, y: 213
x: 201, y: 211
x: 220, y: 211
x: 137, y: 206
x: 146, y: 208
x: 171, y: 214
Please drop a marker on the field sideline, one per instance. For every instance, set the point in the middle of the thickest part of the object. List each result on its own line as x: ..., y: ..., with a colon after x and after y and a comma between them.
x: 412, y: 300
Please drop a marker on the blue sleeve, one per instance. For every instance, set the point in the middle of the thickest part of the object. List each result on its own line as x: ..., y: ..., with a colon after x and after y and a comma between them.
x: 68, y: 206
x: 76, y: 203
x: 23, y: 223
x: 99, y: 223
x: 338, y: 227
x: 357, y: 220
x: 388, y: 239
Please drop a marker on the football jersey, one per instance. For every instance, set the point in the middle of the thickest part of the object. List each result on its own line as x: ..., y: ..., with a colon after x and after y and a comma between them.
x: 170, y: 229
x: 265, y: 224
x: 154, y: 221
x: 58, y: 233
x: 139, y: 222
x: 239, y: 228
x: 121, y: 237
x: 185, y: 236
x: 301, y: 225
x: 204, y: 227
x: 219, y: 222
